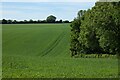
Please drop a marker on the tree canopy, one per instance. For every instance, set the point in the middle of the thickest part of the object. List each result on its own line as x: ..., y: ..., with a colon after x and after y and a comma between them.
x: 97, y: 30
x: 51, y: 19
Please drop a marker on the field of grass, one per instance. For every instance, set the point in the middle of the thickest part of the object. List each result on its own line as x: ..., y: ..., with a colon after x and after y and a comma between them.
x: 42, y: 50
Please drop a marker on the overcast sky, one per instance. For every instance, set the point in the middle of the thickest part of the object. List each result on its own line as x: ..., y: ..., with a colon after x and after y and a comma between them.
x: 40, y: 10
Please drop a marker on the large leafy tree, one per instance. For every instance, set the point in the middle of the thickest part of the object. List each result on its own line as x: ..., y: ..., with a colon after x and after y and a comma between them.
x: 51, y: 19
x: 75, y: 31
x: 99, y: 30
x: 105, y: 21
x: 4, y: 21
x: 109, y: 29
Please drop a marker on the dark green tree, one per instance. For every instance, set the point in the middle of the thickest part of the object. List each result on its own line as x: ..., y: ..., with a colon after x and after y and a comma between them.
x: 51, y: 19
x: 108, y: 26
x: 66, y: 21
x: 4, y: 21
x: 9, y: 21
x: 60, y: 21
x: 99, y: 29
x: 14, y: 21
x: 75, y: 31
x: 30, y: 21
x: 25, y: 21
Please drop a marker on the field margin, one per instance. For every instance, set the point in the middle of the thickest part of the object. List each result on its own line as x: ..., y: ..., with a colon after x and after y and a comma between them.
x: 0, y: 51
x: 60, y: 79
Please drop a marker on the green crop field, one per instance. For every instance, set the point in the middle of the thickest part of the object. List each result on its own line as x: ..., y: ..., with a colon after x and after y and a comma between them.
x: 42, y: 51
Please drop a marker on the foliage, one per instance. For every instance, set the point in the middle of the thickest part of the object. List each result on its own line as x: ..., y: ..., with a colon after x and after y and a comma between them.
x: 75, y: 31
x: 4, y: 21
x: 51, y: 19
x: 66, y: 21
x: 99, y: 29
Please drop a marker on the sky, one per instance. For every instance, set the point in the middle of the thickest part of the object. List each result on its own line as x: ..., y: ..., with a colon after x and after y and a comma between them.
x: 40, y: 10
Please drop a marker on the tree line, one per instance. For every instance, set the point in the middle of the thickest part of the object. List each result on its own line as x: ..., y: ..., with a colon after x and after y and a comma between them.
x: 49, y: 19
x: 97, y: 30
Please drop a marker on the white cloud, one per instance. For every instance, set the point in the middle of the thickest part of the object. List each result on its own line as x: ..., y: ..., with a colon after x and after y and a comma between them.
x: 58, y: 0
x: 4, y: 12
x: 0, y: 10
x: 49, y: 0
x: 21, y: 11
x: 22, y: 7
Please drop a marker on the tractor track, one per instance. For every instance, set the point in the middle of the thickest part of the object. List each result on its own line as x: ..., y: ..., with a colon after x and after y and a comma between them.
x: 53, y: 45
